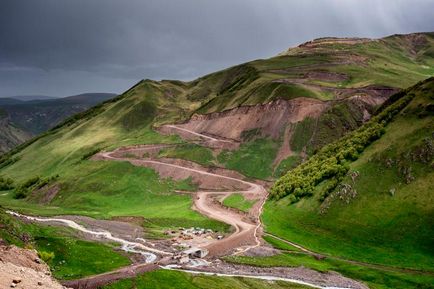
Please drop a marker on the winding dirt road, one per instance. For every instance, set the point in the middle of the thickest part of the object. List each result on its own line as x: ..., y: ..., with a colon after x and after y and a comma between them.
x: 246, y: 230
x: 196, y: 134
x: 211, y: 141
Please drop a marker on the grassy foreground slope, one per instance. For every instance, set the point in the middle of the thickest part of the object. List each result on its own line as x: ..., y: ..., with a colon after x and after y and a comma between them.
x: 381, y: 210
x: 67, y: 255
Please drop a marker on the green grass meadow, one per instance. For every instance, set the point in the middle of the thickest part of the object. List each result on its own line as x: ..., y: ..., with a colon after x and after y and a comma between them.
x: 103, y: 189
x: 253, y: 159
x: 238, y: 201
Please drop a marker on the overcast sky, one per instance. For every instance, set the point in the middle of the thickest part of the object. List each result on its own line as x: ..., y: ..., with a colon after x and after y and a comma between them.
x: 65, y: 47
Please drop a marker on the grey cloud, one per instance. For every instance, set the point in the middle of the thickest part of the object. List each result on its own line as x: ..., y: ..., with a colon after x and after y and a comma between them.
x: 61, y: 47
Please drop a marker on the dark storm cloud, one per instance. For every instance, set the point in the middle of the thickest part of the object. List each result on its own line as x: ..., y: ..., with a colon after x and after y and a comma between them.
x: 61, y: 47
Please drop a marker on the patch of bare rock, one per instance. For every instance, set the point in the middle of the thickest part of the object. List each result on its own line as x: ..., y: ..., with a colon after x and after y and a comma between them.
x: 22, y: 268
x: 268, y: 119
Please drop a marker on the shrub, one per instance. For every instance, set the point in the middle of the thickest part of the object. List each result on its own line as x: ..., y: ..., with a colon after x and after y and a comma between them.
x: 46, y: 256
x: 20, y: 193
x: 23, y: 190
x: 30, y: 182
x: 90, y: 153
x: 6, y: 184
x: 5, y: 161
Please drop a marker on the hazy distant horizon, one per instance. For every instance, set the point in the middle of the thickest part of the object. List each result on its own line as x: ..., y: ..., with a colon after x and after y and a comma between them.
x: 27, y: 97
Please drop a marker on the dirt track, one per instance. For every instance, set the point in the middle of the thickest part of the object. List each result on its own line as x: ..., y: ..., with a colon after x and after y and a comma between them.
x: 246, y: 230
x: 102, y: 279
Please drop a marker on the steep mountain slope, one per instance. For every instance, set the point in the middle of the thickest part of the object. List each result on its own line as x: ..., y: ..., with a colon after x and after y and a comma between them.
x: 373, y: 204
x: 36, y: 116
x: 309, y: 95
x: 320, y: 69
x: 10, y: 135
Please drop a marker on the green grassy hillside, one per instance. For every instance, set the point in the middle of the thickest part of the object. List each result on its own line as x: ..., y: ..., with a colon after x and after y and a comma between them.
x: 94, y: 188
x: 395, y: 61
x: 368, y: 196
x: 128, y: 119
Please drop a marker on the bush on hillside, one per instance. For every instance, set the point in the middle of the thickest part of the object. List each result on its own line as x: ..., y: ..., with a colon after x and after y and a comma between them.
x: 90, y: 153
x: 35, y: 183
x: 46, y: 256
x: 6, y: 161
x: 6, y: 184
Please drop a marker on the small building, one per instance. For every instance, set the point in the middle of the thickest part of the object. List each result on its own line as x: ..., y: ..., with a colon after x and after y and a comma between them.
x: 196, y: 252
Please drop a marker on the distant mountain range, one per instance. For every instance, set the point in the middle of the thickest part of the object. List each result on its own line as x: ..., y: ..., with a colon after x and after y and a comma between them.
x: 22, y: 117
x: 29, y: 97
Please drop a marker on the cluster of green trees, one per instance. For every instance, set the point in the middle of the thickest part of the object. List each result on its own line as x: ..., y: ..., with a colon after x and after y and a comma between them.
x: 6, y: 184
x: 331, y: 162
x: 35, y: 183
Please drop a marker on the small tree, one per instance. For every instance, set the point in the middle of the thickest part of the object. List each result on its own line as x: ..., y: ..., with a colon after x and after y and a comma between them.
x: 46, y: 256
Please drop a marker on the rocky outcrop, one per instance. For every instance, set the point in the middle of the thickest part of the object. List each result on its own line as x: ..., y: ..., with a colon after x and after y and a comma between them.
x: 271, y: 119
x: 265, y: 119
x: 22, y: 268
